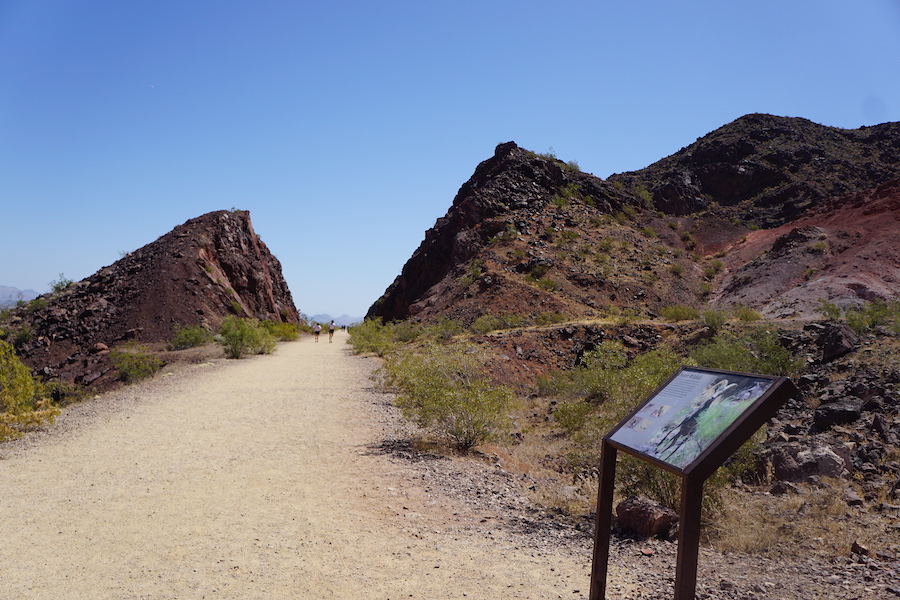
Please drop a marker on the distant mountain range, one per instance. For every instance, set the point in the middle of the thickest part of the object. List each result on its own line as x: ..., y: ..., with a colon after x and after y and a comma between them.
x: 341, y: 320
x: 10, y: 295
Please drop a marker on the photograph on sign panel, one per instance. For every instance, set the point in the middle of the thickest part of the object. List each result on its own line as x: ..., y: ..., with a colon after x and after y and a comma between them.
x: 685, y: 417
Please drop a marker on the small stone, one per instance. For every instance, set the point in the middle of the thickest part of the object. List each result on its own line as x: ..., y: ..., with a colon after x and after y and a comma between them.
x: 860, y: 549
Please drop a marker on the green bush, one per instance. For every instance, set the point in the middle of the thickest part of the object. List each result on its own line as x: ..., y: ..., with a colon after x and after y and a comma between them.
x: 60, y: 284
x: 874, y: 314
x: 611, y: 384
x: 714, y: 319
x: 829, y: 310
x: 746, y: 314
x: 756, y: 351
x: 485, y: 324
x: 679, y: 312
x: 549, y: 318
x: 548, y: 285
x: 444, y: 329
x: 446, y: 388
x: 372, y: 335
x: 134, y: 362
x: 283, y: 332
x: 189, y: 336
x: 241, y: 336
x: 21, y: 397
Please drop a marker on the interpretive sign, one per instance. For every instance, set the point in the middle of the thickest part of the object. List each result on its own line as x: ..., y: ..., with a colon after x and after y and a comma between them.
x: 683, y: 418
x: 689, y: 426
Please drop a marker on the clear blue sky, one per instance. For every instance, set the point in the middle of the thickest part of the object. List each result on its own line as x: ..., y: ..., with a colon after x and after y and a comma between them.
x: 346, y: 127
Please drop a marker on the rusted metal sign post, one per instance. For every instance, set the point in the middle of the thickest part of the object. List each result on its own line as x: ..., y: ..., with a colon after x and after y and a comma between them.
x: 689, y: 426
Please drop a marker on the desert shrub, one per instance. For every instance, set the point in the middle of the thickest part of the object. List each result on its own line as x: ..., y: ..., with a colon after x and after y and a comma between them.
x: 134, y: 362
x: 22, y: 403
x: 444, y: 329
x: 447, y: 389
x: 406, y: 331
x: 486, y: 323
x: 60, y: 284
x: 829, y: 310
x: 569, y: 235
x: 372, y: 335
x: 282, y: 332
x: 643, y: 193
x: 21, y: 335
x: 640, y: 478
x: 679, y: 312
x: 538, y: 270
x: 513, y: 320
x: 37, y: 304
x: 677, y: 269
x: 62, y: 392
x: 548, y: 285
x: 549, y: 318
x: 755, y: 351
x: 714, y: 319
x: 611, y: 384
x: 871, y: 315
x: 189, y: 336
x: 637, y: 477
x: 746, y: 314
x: 712, y: 269
x: 241, y: 336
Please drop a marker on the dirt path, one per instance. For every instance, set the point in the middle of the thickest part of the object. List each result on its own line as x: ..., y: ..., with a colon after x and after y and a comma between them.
x: 248, y: 479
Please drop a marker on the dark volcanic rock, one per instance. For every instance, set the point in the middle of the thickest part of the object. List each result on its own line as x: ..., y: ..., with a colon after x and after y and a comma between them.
x: 197, y: 274
x: 770, y: 168
x: 503, y: 194
x: 647, y: 518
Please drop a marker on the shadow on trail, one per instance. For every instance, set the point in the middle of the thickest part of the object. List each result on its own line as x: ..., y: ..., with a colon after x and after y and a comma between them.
x: 484, y: 488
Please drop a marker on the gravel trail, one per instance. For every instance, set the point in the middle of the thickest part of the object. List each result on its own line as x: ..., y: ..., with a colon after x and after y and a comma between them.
x: 258, y: 478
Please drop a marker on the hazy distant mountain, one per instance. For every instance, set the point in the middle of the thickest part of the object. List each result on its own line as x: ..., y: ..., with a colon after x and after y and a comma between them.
x: 10, y: 295
x: 341, y: 320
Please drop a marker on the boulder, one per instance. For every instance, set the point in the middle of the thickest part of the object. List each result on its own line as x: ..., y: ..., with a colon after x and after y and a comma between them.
x: 837, y: 413
x: 645, y: 517
x: 794, y: 463
x: 836, y: 341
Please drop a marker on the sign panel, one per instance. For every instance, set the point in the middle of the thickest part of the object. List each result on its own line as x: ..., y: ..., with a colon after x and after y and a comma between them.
x: 682, y: 419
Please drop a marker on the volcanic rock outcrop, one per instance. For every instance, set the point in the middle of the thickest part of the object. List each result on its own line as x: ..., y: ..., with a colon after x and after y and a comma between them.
x: 202, y: 271
x: 508, y: 196
x: 767, y: 170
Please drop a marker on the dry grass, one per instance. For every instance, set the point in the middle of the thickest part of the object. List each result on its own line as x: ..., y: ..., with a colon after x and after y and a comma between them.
x: 817, y: 520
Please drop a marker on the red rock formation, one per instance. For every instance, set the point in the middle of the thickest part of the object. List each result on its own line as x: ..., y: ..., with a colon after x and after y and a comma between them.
x: 197, y: 274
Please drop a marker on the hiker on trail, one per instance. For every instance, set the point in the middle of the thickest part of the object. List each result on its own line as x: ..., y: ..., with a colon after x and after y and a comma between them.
x: 330, y: 331
x: 316, y: 331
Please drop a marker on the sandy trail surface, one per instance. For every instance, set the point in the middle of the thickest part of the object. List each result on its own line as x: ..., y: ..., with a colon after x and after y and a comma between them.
x: 258, y: 478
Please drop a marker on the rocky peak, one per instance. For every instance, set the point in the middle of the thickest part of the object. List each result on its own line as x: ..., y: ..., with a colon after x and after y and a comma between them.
x: 207, y: 268
x: 767, y: 169
x: 505, y: 194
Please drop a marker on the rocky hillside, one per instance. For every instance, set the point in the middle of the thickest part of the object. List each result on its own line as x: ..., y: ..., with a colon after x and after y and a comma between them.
x: 769, y: 212
x: 542, y: 262
x: 768, y: 170
x: 203, y: 270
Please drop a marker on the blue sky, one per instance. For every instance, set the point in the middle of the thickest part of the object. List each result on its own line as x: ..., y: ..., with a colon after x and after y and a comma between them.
x: 346, y: 127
